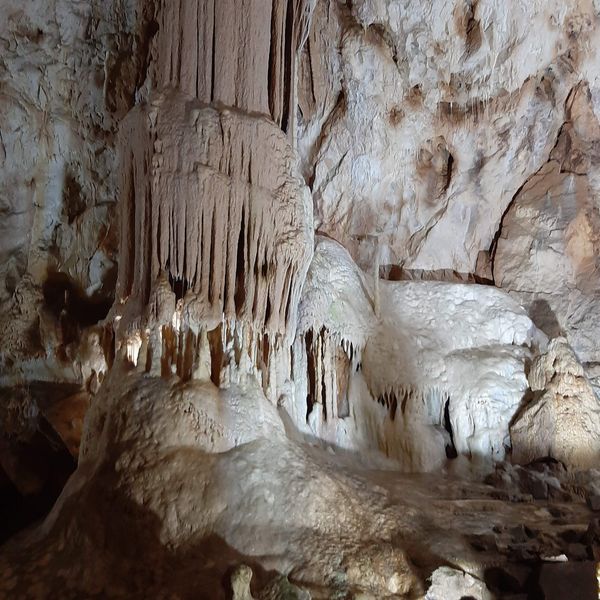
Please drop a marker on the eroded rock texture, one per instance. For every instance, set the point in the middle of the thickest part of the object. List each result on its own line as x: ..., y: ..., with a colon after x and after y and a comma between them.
x: 563, y: 420
x: 280, y: 281
x: 547, y: 252
x: 444, y: 110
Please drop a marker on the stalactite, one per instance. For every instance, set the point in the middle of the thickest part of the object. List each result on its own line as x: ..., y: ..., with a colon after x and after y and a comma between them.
x: 330, y: 361
x: 213, y: 193
x: 246, y: 58
x: 216, y: 223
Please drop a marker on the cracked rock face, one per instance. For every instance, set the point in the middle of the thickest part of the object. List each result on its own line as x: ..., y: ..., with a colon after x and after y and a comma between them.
x: 444, y: 110
x: 548, y: 251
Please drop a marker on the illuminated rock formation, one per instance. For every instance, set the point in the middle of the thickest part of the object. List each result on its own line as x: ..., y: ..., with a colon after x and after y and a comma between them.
x: 562, y: 419
x: 287, y: 286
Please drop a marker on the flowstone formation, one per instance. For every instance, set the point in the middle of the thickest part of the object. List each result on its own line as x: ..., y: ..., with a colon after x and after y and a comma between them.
x: 458, y: 376
x: 298, y: 299
x: 226, y: 234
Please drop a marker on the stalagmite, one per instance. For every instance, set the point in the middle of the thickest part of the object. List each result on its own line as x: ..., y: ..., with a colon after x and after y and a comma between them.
x: 561, y: 420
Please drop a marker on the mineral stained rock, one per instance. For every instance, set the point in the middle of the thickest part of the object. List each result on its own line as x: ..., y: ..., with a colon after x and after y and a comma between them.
x: 286, y: 288
x: 549, y: 246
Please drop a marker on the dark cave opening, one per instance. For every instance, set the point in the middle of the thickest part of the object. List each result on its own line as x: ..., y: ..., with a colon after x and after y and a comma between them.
x: 179, y: 286
x: 450, y: 448
x: 33, y: 473
x: 69, y: 303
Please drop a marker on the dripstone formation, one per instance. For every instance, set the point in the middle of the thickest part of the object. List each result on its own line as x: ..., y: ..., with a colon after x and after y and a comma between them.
x: 299, y: 299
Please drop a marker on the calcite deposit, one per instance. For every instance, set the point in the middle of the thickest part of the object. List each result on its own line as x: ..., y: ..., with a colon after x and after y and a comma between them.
x: 299, y: 299
x: 562, y: 419
x: 458, y: 350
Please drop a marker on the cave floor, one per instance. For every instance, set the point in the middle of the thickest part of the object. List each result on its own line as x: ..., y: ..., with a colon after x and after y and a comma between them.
x: 521, y: 547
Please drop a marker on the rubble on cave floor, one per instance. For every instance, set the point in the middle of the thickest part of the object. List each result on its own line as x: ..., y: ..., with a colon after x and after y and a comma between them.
x: 166, y: 517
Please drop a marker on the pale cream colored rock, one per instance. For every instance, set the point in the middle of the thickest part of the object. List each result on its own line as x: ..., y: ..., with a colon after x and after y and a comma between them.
x: 240, y: 583
x: 220, y: 54
x: 148, y: 454
x: 437, y: 355
x: 414, y: 74
x: 221, y: 211
x: 452, y: 584
x: 68, y: 74
x: 548, y: 252
x: 418, y: 122
x: 563, y: 420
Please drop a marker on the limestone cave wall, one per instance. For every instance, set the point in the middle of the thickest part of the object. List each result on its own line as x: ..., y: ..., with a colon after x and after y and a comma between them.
x: 237, y: 231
